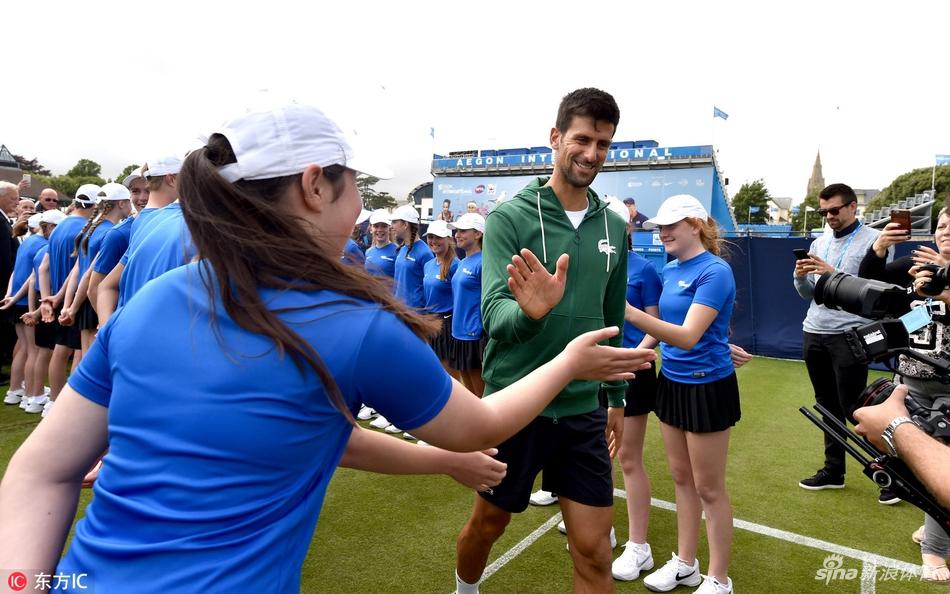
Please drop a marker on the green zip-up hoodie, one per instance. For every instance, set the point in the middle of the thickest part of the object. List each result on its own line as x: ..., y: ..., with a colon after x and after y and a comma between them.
x: 594, y: 296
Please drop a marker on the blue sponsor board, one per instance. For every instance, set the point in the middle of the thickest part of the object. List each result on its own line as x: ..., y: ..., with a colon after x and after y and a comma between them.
x: 532, y: 158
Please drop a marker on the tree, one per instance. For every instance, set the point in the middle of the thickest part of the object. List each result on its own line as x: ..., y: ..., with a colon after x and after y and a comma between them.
x: 751, y: 198
x: 814, y: 221
x: 373, y: 199
x: 31, y: 166
x: 85, y: 168
x: 915, y: 182
x: 125, y: 172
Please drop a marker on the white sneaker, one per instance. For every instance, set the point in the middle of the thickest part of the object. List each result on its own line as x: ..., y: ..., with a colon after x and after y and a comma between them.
x: 26, y: 401
x: 542, y: 497
x: 406, y: 435
x: 46, y: 391
x: 613, y: 535
x: 380, y: 422
x: 47, y: 407
x: 634, y: 559
x: 712, y: 586
x: 366, y: 413
x: 392, y: 429
x: 674, y: 572
x: 36, y: 404
x: 13, y: 397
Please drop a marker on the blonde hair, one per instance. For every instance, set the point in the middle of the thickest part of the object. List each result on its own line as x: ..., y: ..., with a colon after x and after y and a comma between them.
x: 708, y: 234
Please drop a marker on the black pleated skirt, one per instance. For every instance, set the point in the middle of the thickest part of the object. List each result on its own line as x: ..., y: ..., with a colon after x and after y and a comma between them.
x: 468, y: 353
x: 86, y: 317
x: 442, y: 343
x: 698, y: 408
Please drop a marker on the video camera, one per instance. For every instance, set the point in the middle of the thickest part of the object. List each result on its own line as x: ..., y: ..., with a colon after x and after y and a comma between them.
x: 885, y: 339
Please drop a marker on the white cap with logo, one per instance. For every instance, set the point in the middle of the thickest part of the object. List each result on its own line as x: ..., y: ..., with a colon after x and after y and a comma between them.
x: 469, y: 220
x: 615, y: 205
x: 164, y: 165
x: 136, y: 174
x: 676, y: 208
x: 114, y: 192
x: 364, y: 214
x: 34, y: 221
x: 53, y: 217
x: 87, y: 195
x: 406, y: 212
x: 439, y: 228
x: 284, y: 140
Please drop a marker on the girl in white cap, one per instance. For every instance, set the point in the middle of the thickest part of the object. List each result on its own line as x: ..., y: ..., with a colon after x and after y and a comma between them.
x: 437, y: 286
x: 697, y: 398
x: 412, y: 257
x: 381, y: 256
x: 467, y: 299
x: 225, y: 433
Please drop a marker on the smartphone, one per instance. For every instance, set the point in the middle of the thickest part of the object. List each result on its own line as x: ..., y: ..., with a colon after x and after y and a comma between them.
x: 801, y: 254
x: 902, y: 218
x: 28, y: 179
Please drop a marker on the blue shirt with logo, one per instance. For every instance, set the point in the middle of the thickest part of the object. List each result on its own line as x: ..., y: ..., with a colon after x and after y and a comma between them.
x: 438, y: 290
x: 410, y: 264
x: 643, y: 290
x: 140, y: 225
x: 95, y: 244
x: 23, y: 265
x: 381, y: 261
x: 707, y: 280
x: 113, y: 247
x: 220, y: 448
x: 62, y: 242
x: 467, y: 293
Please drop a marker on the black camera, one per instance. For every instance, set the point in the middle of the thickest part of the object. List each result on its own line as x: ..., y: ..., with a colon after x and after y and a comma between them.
x: 937, y: 283
x: 884, y: 340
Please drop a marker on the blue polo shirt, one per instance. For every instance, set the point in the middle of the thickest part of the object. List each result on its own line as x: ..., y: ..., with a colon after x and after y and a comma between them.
x: 37, y: 260
x: 220, y: 448
x: 23, y: 265
x: 707, y: 280
x: 95, y: 243
x: 410, y: 266
x: 382, y: 261
x: 113, y: 247
x: 61, y: 244
x: 352, y: 253
x: 467, y: 294
x: 140, y: 225
x: 166, y: 246
x: 643, y: 290
x: 438, y: 290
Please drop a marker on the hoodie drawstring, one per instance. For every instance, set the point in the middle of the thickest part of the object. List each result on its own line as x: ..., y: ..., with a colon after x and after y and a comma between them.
x: 544, y: 245
x: 607, y: 235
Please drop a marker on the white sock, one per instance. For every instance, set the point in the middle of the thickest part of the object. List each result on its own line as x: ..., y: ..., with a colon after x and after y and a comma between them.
x: 463, y: 587
x: 17, y: 392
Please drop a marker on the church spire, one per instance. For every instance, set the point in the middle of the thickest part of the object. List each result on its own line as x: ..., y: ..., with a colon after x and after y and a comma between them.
x: 817, y: 181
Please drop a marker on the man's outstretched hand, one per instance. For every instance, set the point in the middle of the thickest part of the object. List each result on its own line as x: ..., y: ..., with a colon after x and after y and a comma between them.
x: 535, y: 289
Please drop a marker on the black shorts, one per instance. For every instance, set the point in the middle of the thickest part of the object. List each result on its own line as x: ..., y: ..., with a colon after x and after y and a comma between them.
x: 16, y: 312
x: 641, y: 393
x: 44, y: 335
x: 442, y: 343
x: 572, y: 452
x: 698, y: 408
x: 68, y: 336
x: 469, y: 353
x: 86, y: 317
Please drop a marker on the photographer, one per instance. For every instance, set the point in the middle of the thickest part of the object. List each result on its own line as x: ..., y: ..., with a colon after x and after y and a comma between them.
x: 933, y: 340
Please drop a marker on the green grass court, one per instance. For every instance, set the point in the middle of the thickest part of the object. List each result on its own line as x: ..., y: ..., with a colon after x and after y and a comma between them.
x: 397, y: 534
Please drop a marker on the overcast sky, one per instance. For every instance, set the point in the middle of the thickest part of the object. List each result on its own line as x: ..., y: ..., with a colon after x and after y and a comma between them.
x: 117, y: 82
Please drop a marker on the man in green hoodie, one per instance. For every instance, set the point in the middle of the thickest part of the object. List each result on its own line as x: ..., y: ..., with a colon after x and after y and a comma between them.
x: 531, y: 308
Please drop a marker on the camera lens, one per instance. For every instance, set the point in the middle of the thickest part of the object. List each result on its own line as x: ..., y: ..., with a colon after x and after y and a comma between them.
x: 938, y: 282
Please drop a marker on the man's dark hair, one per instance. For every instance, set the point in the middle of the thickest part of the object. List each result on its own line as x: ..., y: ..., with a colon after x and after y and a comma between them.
x: 843, y: 190
x: 587, y: 102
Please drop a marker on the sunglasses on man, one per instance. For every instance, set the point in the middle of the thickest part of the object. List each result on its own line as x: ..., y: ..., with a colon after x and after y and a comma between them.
x: 833, y: 211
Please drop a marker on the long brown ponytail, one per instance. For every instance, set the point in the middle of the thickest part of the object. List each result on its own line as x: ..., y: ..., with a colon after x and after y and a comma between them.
x: 89, y: 223
x: 250, y: 241
x: 107, y: 206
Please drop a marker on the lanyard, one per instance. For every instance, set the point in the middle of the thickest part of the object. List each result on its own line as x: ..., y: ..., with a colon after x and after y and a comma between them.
x: 844, y: 250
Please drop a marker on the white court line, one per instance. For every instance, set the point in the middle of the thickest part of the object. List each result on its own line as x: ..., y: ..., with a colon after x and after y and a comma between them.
x: 870, y: 561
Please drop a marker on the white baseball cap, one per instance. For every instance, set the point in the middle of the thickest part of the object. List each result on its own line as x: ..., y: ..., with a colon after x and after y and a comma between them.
x: 53, y: 217
x: 364, y: 214
x: 87, y: 194
x: 406, y: 212
x: 284, y: 140
x: 676, y: 208
x: 136, y: 174
x: 379, y: 216
x: 114, y: 192
x: 439, y: 228
x: 164, y: 165
x: 615, y: 205
x: 469, y: 220
x: 34, y: 221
